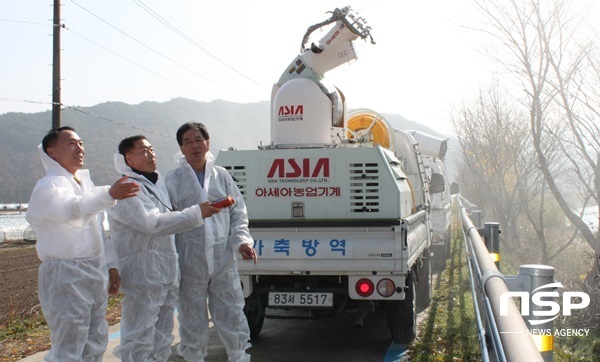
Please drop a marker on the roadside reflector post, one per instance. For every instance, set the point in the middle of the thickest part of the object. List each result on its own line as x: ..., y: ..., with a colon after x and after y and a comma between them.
x: 534, y: 279
x: 477, y: 218
x: 491, y: 237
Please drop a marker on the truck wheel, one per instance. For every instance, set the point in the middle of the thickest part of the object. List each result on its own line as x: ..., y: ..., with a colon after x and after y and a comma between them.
x: 255, y: 318
x: 424, y: 289
x: 402, y: 316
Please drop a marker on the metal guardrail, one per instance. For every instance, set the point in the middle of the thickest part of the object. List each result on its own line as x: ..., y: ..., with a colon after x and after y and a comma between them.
x: 503, y: 336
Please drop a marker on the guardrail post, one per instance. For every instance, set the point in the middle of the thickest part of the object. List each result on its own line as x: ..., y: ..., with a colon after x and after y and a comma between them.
x: 533, y: 276
x: 477, y: 218
x: 491, y: 238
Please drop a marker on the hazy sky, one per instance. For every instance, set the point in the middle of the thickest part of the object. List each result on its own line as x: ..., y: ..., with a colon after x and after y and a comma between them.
x: 424, y: 61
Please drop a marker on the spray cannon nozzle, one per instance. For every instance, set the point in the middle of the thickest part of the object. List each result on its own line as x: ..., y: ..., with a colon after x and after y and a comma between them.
x: 356, y: 24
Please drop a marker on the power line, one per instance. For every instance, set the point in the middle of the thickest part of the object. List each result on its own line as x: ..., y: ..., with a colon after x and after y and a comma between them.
x: 116, y: 122
x: 76, y: 109
x: 123, y: 57
x: 191, y: 41
x: 6, y: 99
x: 26, y: 22
x: 127, y: 59
x: 159, y: 53
x: 137, y: 64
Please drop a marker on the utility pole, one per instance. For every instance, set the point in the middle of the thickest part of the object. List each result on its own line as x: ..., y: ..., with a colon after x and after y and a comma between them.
x: 56, y: 66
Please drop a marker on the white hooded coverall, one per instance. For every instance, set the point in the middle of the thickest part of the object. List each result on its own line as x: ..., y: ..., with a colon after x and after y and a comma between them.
x: 142, y: 231
x: 208, y: 264
x: 73, y: 276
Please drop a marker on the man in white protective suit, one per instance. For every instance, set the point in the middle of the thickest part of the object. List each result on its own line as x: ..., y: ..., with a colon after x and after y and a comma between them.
x: 142, y: 231
x: 206, y: 254
x: 66, y: 213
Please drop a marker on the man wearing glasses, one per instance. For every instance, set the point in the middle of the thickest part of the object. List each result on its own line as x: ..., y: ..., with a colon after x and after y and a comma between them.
x: 142, y: 231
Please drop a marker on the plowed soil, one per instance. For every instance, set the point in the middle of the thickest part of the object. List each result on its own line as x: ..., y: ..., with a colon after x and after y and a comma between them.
x: 19, y: 303
x: 18, y: 280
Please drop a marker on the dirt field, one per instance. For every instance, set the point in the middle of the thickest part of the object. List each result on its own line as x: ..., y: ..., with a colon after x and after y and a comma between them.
x: 18, y: 280
x: 19, y: 301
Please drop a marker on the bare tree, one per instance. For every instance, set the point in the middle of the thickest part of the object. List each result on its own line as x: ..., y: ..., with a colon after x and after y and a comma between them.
x: 554, y: 71
x: 492, y: 136
x: 558, y: 70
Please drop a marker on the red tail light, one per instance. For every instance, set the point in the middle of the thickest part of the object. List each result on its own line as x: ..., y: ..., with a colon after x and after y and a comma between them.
x: 364, y: 287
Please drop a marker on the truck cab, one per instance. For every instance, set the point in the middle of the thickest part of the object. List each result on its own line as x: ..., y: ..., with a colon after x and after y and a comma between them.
x: 433, y: 150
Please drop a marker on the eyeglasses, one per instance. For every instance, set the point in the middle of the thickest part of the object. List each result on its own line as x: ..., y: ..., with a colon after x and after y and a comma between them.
x: 145, y: 151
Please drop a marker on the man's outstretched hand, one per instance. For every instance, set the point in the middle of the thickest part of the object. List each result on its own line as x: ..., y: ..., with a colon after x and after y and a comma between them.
x: 123, y: 189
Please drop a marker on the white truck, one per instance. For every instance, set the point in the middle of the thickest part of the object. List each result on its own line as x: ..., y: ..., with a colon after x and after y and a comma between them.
x: 338, y: 202
x: 433, y: 149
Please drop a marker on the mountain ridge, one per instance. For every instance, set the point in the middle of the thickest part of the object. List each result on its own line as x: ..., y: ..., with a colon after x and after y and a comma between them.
x: 102, y: 126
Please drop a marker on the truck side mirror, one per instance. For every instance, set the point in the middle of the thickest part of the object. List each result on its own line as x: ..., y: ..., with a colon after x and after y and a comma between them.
x: 437, y: 184
x: 454, y: 189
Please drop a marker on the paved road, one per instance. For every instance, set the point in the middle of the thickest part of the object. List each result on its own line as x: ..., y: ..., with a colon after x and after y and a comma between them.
x: 216, y: 349
x: 329, y: 340
x: 333, y: 339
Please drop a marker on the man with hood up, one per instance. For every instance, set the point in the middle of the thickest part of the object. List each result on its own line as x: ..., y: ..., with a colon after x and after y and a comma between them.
x: 66, y: 213
x: 206, y: 254
x: 142, y: 231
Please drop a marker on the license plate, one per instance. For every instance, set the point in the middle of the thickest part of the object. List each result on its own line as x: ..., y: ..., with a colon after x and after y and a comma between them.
x: 301, y: 299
